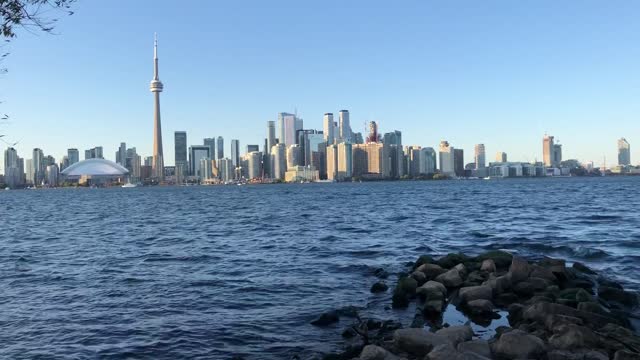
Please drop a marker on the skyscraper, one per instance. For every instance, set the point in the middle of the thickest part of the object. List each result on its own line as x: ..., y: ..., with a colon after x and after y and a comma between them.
x: 293, y: 156
x: 252, y: 148
x: 548, y: 156
x: 235, y: 152
x: 73, y: 155
x: 211, y: 143
x: 196, y: 154
x: 458, y: 162
x: 393, y: 155
x: 288, y: 125
x: 501, y: 156
x: 13, y: 168
x: 38, y: 164
x: 345, y: 160
x: 121, y: 155
x: 332, y: 162
x: 180, y: 151
x: 156, y: 87
x: 278, y: 161
x: 480, y: 156
x: 447, y: 164
x: 427, y: 161
x: 254, y: 162
x: 624, y: 152
x: 328, y: 128
x: 220, y: 147
x: 271, y: 135
x: 344, y: 125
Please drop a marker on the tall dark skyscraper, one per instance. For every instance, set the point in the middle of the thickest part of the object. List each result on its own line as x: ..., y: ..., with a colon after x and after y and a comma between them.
x: 220, y: 147
x: 458, y: 162
x: 624, y: 152
x: 211, y: 143
x: 157, y: 167
x: 180, y: 141
x: 271, y: 136
x: 235, y: 152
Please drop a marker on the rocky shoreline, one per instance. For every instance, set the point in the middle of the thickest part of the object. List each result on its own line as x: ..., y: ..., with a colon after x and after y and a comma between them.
x: 555, y: 312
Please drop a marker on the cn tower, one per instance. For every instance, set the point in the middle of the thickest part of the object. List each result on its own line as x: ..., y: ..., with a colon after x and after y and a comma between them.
x: 156, y: 86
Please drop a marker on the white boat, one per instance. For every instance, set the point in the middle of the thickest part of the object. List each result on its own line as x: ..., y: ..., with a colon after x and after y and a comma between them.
x: 129, y: 185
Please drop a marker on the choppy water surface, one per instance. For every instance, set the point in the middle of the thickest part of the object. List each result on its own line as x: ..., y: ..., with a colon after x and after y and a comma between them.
x: 213, y: 271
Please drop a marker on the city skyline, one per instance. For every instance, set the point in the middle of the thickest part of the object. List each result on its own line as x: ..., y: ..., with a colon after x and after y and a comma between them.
x: 428, y: 98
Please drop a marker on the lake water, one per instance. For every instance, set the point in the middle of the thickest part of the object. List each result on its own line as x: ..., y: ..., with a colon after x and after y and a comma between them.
x: 207, y: 272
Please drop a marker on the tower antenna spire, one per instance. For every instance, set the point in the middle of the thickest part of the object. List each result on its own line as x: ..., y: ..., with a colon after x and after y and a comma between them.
x: 155, y: 56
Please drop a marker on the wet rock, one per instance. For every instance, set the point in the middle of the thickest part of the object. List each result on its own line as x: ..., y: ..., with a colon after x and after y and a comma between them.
x: 583, y: 268
x: 539, y: 312
x: 380, y: 273
x: 431, y: 271
x: 424, y: 259
x: 432, y: 290
x: 524, y: 289
x: 501, y: 259
x: 471, y: 293
x: 443, y: 352
x: 593, y: 307
x: 349, y: 311
x: 405, y: 290
x: 450, y: 279
x: 623, y: 297
x: 571, y: 337
x: 480, y: 347
x: 517, y: 344
x: 475, y: 278
x: 515, y: 313
x: 586, y: 284
x: 506, y: 299
x: 433, y: 307
x: 416, y: 341
x: 583, y: 296
x: 462, y: 270
x: 373, y: 352
x: 519, y: 270
x: 326, y: 319
x: 472, y: 356
x: 456, y: 334
x: 576, y: 355
x: 626, y: 355
x: 571, y: 294
x: 419, y: 276
x: 608, y: 283
x: 452, y: 260
x: 621, y: 335
x: 499, y: 284
x: 378, y: 287
x: 543, y: 273
x: 539, y: 298
x: 488, y: 265
x: 554, y: 323
x: 480, y: 307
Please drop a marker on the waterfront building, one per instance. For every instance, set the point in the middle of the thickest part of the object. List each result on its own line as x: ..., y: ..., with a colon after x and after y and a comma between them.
x: 551, y: 152
x: 328, y: 128
x: 344, y: 126
x: 427, y: 161
x: 220, y: 144
x: 121, y: 154
x: 39, y: 166
x: 29, y: 172
x: 225, y: 168
x: 271, y: 136
x: 52, y: 175
x: 278, y: 161
x: 458, y: 162
x: 254, y: 165
x: 373, y: 137
x: 332, y: 162
x: 501, y: 156
x: 73, y: 155
x: 480, y: 157
x: 505, y: 169
x: 205, y: 172
x: 94, y: 153
x: 196, y: 154
x: 13, y: 168
x: 414, y: 160
x: 96, y: 171
x: 301, y: 174
x: 557, y: 155
x: 289, y: 124
x: 252, y: 148
x: 180, y: 155
x: 293, y: 156
x: 367, y: 160
x: 357, y: 138
x: 345, y: 161
x: 393, y: 155
x: 211, y: 143
x: 235, y: 152
x: 624, y: 152
x: 447, y: 159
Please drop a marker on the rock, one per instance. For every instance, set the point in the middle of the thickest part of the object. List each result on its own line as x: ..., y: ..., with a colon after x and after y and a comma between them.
x: 575, y: 355
x: 419, y: 276
x: 519, y: 270
x: 593, y: 307
x: 416, y: 341
x: 581, y: 283
x: 452, y: 260
x: 378, y: 287
x: 432, y: 307
x: 554, y: 323
x: 539, y: 312
x: 488, y: 265
x: 623, y: 297
x: 501, y: 259
x: 583, y: 268
x: 543, y: 273
x: 506, y: 299
x: 349, y: 333
x: 424, y: 259
x: 450, y: 279
x: 517, y: 344
x: 373, y: 352
x: 621, y: 335
x: 472, y: 356
x: 626, y: 355
x: 539, y: 298
x: 471, y: 293
x: 380, y: 273
x: 405, y: 290
x: 524, y: 289
x: 456, y: 334
x: 443, y: 352
x: 480, y: 347
x: 480, y: 307
x: 583, y: 296
x: 349, y: 311
x: 431, y: 271
x: 462, y: 270
x: 326, y: 319
x: 499, y: 284
x: 515, y: 313
x: 571, y: 337
x: 476, y: 278
x: 432, y: 290
x: 608, y: 283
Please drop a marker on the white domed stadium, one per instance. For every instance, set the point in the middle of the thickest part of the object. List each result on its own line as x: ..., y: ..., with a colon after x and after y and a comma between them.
x: 95, y: 172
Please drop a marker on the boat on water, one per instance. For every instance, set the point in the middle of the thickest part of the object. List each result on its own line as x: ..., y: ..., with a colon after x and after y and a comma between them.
x: 129, y: 185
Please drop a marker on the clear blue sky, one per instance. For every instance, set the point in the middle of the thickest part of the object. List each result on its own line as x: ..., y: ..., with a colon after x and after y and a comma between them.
x: 500, y: 73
